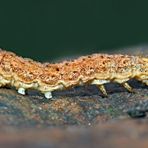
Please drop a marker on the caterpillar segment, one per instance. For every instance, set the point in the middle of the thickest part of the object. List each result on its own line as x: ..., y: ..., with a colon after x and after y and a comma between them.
x: 96, y: 69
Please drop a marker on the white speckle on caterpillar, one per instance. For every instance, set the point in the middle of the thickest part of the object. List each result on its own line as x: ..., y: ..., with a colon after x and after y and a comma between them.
x: 48, y: 95
x: 21, y: 91
x: 99, y: 82
x: 98, y: 69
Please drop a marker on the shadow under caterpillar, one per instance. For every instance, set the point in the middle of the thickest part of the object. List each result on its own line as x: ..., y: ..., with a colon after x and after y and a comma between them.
x: 98, y: 69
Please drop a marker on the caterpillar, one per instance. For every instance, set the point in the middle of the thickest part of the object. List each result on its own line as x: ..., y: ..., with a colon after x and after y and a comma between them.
x: 98, y: 69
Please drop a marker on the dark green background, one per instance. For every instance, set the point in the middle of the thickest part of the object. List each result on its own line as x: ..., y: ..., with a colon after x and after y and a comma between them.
x: 48, y: 29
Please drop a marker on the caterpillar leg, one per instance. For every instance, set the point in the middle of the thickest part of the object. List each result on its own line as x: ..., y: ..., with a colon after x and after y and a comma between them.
x: 127, y: 86
x: 21, y: 91
x: 143, y: 79
x: 1, y: 85
x: 100, y: 85
x: 102, y: 89
x: 124, y: 83
x: 145, y: 82
x: 48, y: 95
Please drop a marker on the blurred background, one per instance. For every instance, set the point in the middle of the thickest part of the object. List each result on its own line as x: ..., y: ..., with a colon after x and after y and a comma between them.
x: 46, y: 30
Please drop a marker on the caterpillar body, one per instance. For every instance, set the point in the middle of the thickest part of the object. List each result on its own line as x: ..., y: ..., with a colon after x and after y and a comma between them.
x: 23, y: 73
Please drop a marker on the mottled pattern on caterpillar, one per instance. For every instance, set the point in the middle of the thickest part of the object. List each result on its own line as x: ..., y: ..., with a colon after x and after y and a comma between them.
x: 23, y: 73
